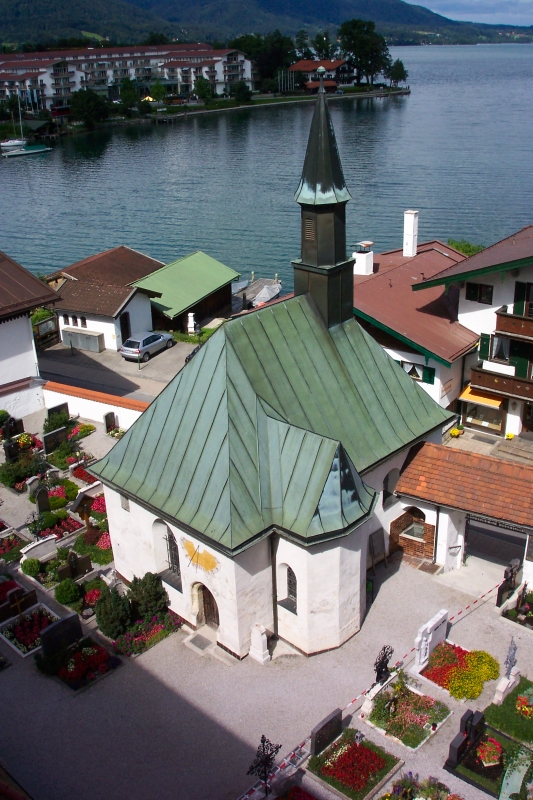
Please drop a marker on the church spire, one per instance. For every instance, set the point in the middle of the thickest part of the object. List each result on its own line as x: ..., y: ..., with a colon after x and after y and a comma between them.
x: 322, y: 180
x: 323, y: 271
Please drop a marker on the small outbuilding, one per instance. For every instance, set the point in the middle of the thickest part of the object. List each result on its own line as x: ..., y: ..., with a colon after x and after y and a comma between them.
x: 99, y: 307
x: 196, y: 284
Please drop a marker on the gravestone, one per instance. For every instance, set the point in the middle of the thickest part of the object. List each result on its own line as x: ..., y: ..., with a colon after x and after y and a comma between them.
x: 54, y: 439
x: 458, y: 747
x: 32, y: 484
x: 465, y: 725
x: 506, y: 685
x: 11, y: 451
x: 42, y: 501
x: 17, y: 601
x: 61, y: 634
x: 478, y: 725
x: 53, y: 474
x: 259, y: 646
x: 110, y: 421
x: 12, y: 427
x: 62, y: 407
x: 326, y: 732
x: 429, y: 636
x: 76, y: 566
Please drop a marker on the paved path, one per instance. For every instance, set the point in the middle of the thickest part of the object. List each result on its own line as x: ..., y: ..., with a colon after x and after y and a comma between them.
x: 174, y: 725
x: 109, y: 372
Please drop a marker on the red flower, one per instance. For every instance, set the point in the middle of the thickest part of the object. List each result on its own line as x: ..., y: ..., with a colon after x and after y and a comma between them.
x: 92, y: 597
x: 82, y: 475
x: 5, y: 587
x: 352, y: 764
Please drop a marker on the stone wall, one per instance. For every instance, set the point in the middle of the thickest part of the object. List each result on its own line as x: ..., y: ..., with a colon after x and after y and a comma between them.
x: 420, y: 548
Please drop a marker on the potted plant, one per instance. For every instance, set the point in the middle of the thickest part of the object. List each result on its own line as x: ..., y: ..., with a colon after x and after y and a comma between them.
x: 489, y: 752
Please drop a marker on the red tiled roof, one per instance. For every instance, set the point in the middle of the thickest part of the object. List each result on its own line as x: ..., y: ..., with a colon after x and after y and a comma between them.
x: 310, y: 66
x: 108, y: 52
x: 471, y: 482
x: 316, y: 84
x: 20, y: 290
x: 98, y: 397
x: 513, y: 248
x: 427, y: 320
x: 117, y: 267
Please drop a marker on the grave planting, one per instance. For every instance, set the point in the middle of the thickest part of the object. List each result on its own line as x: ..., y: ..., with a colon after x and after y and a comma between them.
x: 407, y: 715
x: 10, y: 547
x: 96, y: 541
x: 350, y: 767
x: 79, y: 664
x: 460, y: 671
x: 409, y: 786
x: 53, y: 523
x: 485, y: 763
x: 515, y: 715
x: 82, y: 475
x: 523, y: 613
x: 297, y: 793
x: 24, y: 632
x: 6, y: 584
x: 59, y: 494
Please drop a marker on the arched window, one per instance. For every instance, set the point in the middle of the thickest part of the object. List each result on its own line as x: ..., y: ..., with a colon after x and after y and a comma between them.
x: 83, y: 322
x: 389, y: 487
x: 173, y: 553
x: 65, y: 319
x: 74, y: 321
x: 287, y: 588
x: 292, y: 587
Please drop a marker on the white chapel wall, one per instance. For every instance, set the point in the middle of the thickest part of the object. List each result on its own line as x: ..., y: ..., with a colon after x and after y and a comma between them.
x: 18, y: 356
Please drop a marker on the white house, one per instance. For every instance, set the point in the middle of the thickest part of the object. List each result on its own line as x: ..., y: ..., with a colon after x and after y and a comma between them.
x: 21, y: 391
x: 260, y: 479
x: 97, y: 298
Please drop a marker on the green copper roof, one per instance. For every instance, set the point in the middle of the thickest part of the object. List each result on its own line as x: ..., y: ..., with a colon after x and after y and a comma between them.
x: 270, y: 424
x: 183, y: 283
x: 322, y: 181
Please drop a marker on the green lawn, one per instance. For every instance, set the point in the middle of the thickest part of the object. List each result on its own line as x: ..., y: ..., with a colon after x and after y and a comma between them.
x: 484, y: 780
x: 506, y: 719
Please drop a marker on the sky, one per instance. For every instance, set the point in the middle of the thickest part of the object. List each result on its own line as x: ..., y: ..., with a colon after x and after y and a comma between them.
x: 494, y: 12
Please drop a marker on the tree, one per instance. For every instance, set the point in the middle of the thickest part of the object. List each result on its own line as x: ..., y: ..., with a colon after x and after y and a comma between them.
x: 303, y: 50
x: 465, y: 246
x: 269, y: 53
x: 148, y: 596
x: 240, y: 92
x: 324, y: 47
x: 156, y: 38
x: 203, y: 89
x: 128, y: 95
x: 397, y: 73
x: 113, y: 613
x: 89, y: 107
x: 158, y: 91
x: 366, y: 51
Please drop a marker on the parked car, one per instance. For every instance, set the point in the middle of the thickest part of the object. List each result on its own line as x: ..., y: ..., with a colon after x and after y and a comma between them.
x: 145, y: 344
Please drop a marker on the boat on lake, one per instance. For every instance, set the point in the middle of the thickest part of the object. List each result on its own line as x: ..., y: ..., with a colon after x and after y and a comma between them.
x: 12, y: 144
x: 28, y: 150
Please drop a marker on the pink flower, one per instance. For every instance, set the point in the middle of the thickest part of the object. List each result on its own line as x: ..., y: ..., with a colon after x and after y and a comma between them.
x: 99, y: 505
x: 104, y: 542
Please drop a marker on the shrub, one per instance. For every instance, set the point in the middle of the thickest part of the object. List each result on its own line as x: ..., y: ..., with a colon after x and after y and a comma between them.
x: 59, y: 457
x: 91, y: 536
x: 113, y: 614
x: 17, y: 471
x: 4, y: 416
x: 55, y: 421
x: 31, y: 567
x: 67, y: 592
x: 148, y: 596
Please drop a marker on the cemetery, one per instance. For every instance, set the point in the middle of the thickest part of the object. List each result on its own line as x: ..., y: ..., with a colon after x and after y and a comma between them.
x: 77, y: 664
x: 461, y: 672
x: 10, y: 546
x: 519, y: 609
x: 23, y: 633
x: 409, y: 786
x: 514, y: 716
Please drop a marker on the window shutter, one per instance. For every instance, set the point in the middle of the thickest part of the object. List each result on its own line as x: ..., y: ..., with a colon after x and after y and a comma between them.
x: 484, y: 346
x: 428, y: 375
x: 519, y: 298
x: 519, y: 358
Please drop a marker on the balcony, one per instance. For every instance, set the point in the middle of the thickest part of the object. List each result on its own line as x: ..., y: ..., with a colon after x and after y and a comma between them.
x: 505, y: 385
x: 514, y: 325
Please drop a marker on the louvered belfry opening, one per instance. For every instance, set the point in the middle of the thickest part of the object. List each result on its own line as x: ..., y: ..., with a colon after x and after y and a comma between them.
x: 322, y: 270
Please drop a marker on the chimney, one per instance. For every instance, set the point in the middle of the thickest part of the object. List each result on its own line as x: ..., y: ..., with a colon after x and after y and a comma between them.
x: 363, y: 259
x: 410, y: 233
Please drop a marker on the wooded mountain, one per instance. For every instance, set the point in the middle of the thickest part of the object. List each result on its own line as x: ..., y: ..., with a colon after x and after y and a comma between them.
x: 131, y: 20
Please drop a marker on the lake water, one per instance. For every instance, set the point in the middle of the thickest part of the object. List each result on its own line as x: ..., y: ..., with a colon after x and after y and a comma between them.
x: 458, y: 148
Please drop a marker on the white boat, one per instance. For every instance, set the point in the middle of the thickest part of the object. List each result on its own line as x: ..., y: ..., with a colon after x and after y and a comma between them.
x: 10, y: 144
x: 29, y: 150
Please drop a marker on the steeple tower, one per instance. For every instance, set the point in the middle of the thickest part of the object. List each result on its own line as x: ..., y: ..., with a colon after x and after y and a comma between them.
x: 322, y: 270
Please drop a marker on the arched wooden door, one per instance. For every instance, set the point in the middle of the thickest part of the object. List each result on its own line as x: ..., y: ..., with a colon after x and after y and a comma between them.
x: 210, y: 608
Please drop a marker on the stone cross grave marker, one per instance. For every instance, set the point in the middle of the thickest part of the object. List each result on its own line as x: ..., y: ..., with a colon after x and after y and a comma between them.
x: 17, y: 601
x: 42, y: 501
x: 54, y: 439
x: 110, y: 421
x: 61, y: 634
x: 326, y: 732
x: 429, y: 636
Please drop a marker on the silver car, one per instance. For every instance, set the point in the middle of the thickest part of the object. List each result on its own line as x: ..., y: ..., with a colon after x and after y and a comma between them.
x: 145, y: 344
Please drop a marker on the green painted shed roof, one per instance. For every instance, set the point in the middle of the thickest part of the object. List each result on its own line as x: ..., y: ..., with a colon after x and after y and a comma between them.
x: 271, y: 424
x: 185, y: 282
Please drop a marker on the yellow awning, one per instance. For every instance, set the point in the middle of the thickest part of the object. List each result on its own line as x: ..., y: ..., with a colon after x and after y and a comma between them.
x: 480, y: 398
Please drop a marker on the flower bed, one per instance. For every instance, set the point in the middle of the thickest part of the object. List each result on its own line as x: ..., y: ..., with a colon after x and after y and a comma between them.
x: 60, y: 494
x: 352, y: 768
x: 488, y: 776
x: 408, y: 716
x: 81, y: 431
x: 88, y: 543
x: 509, y: 718
x: 82, y: 475
x: 25, y: 635
x: 461, y: 672
x: 524, y: 614
x: 297, y: 793
x: 6, y: 584
x: 116, y: 433
x: 409, y: 786
x: 10, y: 547
x: 63, y: 527
x: 79, y: 665
x: 3, y: 525
x: 144, y: 634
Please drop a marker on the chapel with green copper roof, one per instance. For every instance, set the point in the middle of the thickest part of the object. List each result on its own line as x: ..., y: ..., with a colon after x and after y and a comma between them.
x: 270, y: 439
